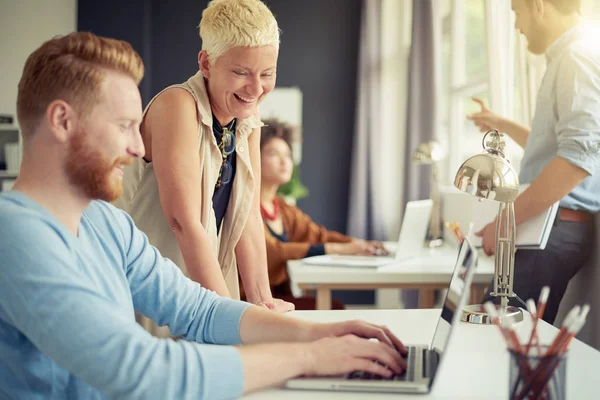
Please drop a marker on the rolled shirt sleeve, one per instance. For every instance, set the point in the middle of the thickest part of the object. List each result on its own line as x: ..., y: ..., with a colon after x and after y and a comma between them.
x: 578, y: 109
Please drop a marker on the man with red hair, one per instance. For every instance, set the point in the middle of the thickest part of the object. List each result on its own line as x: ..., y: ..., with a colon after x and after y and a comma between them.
x: 75, y: 269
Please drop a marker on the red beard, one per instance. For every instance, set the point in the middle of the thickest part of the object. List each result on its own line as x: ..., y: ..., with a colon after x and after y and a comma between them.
x: 90, y: 171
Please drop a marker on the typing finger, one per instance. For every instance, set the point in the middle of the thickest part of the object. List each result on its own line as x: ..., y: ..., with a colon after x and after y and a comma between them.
x: 362, y: 364
x: 385, y: 355
x: 395, y: 341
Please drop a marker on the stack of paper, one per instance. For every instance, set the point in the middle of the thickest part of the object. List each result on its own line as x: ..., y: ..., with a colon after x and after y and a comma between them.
x: 349, y: 261
x: 465, y: 208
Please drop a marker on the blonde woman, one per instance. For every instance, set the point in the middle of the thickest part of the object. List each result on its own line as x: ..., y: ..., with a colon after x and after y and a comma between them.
x: 196, y: 192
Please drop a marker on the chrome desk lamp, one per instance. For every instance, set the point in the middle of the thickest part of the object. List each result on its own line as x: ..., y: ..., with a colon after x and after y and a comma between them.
x: 490, y: 175
x: 429, y: 153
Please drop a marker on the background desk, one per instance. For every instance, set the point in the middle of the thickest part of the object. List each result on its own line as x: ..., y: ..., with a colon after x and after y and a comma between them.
x: 475, y: 365
x: 429, y: 271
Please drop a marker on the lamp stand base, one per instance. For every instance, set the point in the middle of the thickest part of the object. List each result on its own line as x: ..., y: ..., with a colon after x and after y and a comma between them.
x: 475, y: 314
x: 433, y: 243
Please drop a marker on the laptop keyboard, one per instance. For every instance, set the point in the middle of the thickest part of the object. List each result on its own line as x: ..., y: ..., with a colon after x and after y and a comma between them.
x: 408, y: 375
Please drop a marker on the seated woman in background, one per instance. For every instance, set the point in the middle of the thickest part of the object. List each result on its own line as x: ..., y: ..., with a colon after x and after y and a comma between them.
x: 291, y: 234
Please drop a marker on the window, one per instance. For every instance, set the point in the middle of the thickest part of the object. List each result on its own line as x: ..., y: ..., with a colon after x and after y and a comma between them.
x: 464, y: 74
x: 465, y: 59
x: 591, y: 10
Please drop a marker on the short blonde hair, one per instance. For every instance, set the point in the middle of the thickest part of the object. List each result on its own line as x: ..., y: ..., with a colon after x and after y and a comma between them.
x: 71, y: 68
x: 226, y: 24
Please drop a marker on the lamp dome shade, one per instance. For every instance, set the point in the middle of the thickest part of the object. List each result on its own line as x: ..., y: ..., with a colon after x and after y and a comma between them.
x: 488, y: 176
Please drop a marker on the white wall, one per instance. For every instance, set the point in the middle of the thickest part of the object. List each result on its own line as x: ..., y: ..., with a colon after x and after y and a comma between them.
x: 24, y: 26
x: 285, y: 104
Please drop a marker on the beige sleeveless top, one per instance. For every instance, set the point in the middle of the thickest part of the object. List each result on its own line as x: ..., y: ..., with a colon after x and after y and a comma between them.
x: 140, y: 191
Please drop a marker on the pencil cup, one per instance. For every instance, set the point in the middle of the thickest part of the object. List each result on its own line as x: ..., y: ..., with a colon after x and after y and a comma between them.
x: 536, y: 376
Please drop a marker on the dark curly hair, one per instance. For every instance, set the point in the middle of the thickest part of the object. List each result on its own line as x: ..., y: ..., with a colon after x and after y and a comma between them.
x: 276, y: 129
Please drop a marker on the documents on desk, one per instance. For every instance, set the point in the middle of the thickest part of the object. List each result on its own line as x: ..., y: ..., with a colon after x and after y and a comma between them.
x: 464, y: 209
x: 349, y: 262
x: 445, y: 255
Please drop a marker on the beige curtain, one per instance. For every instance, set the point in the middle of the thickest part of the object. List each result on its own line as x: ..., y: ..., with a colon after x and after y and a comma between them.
x: 376, y: 181
x: 365, y: 218
x: 376, y: 184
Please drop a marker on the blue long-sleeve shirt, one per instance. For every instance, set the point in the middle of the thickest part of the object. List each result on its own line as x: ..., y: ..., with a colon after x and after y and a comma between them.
x: 67, y: 325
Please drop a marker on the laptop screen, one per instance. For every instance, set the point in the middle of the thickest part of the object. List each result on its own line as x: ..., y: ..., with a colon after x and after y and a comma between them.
x: 456, y: 296
x: 413, y: 231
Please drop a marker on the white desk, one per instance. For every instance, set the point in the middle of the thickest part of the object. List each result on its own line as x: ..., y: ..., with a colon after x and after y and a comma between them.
x: 475, y: 365
x: 429, y: 271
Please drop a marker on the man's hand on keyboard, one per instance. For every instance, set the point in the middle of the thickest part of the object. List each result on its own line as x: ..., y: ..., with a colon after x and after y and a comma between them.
x: 348, y: 353
x: 361, y: 329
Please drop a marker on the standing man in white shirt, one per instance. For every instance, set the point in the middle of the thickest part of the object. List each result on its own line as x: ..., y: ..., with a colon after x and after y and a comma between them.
x: 562, y: 148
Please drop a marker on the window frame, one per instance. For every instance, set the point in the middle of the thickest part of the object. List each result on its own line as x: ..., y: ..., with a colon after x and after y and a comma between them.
x: 459, y: 87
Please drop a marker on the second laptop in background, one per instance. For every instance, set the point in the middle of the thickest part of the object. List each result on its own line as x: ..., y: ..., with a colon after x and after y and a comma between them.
x: 413, y: 233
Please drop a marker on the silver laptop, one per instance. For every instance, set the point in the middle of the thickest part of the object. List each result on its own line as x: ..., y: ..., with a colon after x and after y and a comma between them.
x: 410, y: 243
x: 423, y: 361
x: 413, y: 231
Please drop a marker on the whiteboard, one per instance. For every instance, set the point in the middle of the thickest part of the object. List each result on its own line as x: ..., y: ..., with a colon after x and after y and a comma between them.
x: 285, y: 104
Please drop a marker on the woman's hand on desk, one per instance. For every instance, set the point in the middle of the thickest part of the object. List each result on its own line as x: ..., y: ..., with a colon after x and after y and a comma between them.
x: 278, y: 305
x: 356, y: 247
